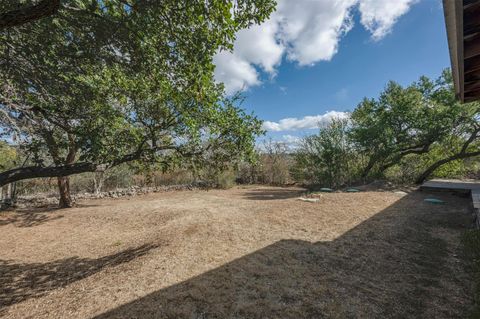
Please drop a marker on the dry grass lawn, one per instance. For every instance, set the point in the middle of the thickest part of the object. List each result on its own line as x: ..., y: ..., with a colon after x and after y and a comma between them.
x: 254, y: 252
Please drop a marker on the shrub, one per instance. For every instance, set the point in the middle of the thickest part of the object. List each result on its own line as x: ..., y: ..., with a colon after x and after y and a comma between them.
x: 328, y: 158
x: 225, y: 179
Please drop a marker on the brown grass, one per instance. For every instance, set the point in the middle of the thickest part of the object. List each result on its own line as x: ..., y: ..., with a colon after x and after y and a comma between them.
x: 254, y: 252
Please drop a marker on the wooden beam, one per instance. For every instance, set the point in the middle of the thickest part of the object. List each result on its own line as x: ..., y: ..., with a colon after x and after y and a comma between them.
x: 472, y: 65
x: 472, y: 95
x: 453, y: 11
x: 472, y: 86
x: 471, y: 36
x: 470, y: 99
x: 472, y: 76
x: 471, y: 22
x: 468, y: 3
x: 472, y: 46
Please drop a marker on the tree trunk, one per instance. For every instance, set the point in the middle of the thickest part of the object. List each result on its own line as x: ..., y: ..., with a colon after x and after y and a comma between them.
x: 429, y: 171
x: 64, y: 191
x: 98, y: 179
x: 372, y: 161
x: 13, y: 194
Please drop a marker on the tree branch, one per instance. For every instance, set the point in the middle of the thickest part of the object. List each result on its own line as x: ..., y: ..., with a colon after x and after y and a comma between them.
x: 444, y: 161
x: 414, y: 150
x: 22, y: 173
x: 460, y: 155
x: 26, y: 14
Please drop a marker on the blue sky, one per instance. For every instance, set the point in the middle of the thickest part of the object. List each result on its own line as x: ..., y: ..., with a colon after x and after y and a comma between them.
x: 363, y: 52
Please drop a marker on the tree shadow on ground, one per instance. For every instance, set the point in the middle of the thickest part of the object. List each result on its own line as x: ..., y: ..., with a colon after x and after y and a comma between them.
x: 34, y: 216
x: 273, y: 194
x: 401, y: 263
x: 21, y: 281
x: 28, y: 217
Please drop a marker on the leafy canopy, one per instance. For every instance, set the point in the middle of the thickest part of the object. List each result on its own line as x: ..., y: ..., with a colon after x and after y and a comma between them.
x: 410, y: 120
x: 112, y: 81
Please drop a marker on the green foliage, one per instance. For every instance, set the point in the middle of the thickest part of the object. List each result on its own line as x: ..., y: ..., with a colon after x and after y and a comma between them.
x: 411, y: 120
x: 110, y: 82
x: 8, y: 156
x: 225, y: 179
x: 407, y: 134
x: 449, y: 170
x: 411, y: 166
x: 328, y: 158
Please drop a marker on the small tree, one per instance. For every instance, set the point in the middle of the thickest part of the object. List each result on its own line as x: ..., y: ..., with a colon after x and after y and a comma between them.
x: 327, y: 158
x: 275, y: 162
x: 8, y: 158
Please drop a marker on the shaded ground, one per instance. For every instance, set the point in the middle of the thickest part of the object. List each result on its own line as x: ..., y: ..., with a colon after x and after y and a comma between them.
x: 256, y: 252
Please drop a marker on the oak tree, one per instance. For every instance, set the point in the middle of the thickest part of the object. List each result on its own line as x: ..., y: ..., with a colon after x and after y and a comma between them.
x: 102, y: 83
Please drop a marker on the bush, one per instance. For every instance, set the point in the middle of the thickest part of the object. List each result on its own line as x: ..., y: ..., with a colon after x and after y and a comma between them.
x: 328, y: 158
x: 122, y: 176
x: 8, y: 156
x: 275, y: 163
x: 225, y: 179
x: 272, y: 167
x: 248, y: 173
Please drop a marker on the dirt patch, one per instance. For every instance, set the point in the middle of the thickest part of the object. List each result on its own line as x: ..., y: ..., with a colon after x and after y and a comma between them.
x: 255, y: 252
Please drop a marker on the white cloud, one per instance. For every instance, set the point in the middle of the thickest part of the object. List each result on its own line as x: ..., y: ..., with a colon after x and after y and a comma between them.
x: 255, y: 46
x: 291, y: 140
x: 303, y: 31
x: 379, y: 16
x: 259, y: 45
x: 310, y: 30
x: 307, y: 122
x: 235, y: 73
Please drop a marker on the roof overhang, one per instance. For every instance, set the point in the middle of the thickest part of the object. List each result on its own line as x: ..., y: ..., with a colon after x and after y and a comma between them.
x: 462, y: 18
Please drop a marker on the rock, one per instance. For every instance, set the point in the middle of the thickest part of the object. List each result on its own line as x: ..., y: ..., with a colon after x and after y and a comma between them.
x: 51, y: 199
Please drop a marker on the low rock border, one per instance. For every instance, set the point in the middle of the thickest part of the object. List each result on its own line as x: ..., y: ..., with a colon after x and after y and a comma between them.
x: 52, y: 199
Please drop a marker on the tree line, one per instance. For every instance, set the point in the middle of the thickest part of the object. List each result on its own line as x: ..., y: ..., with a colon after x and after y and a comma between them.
x: 406, y: 135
